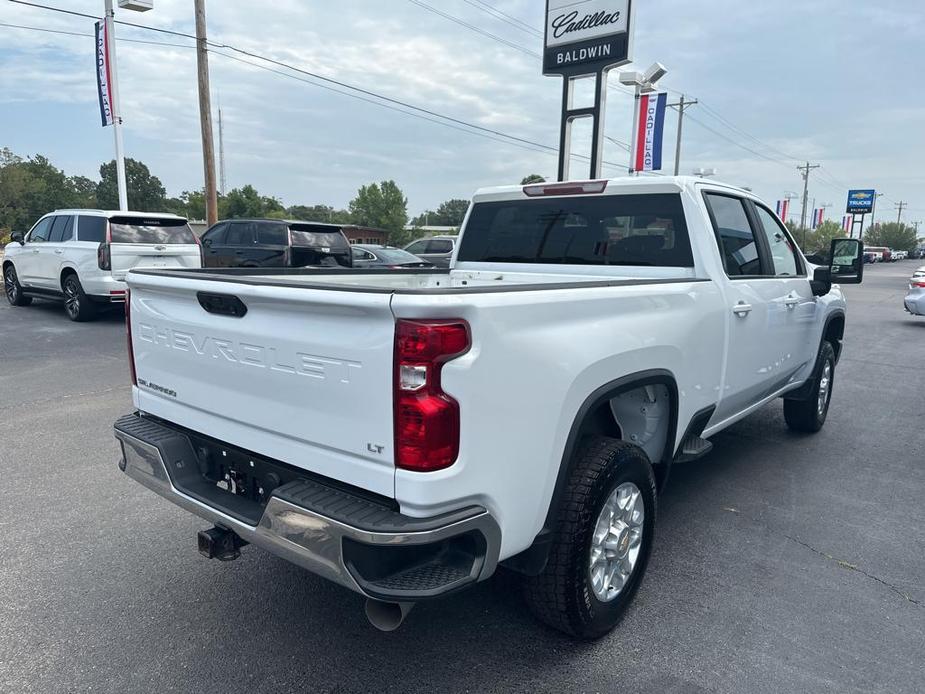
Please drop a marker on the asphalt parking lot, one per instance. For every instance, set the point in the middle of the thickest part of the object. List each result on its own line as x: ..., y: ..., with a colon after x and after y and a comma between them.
x: 783, y: 562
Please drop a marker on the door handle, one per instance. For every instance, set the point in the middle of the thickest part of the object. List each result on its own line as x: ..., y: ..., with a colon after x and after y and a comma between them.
x: 59, y: 252
x: 35, y: 250
x: 742, y: 309
x: 791, y: 302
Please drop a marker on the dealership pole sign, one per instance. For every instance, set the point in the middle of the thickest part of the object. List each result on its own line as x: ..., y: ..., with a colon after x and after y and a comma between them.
x: 860, y: 202
x: 103, y: 74
x: 585, y: 39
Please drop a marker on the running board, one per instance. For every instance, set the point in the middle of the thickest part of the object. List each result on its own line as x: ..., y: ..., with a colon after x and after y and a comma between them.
x: 692, y: 449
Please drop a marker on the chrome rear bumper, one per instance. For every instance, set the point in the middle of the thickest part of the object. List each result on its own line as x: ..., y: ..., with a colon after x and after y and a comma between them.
x: 351, y: 547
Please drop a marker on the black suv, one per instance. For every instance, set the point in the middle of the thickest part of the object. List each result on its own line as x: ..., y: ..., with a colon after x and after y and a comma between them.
x: 275, y: 243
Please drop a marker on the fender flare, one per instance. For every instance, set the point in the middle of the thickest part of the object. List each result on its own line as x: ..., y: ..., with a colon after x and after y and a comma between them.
x: 532, y: 560
x: 805, y: 390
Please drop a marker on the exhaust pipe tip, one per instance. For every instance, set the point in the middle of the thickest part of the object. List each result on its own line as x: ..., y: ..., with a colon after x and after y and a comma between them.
x: 387, y: 616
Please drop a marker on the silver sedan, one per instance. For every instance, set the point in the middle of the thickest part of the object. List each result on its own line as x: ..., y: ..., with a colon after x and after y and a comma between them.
x: 915, y: 299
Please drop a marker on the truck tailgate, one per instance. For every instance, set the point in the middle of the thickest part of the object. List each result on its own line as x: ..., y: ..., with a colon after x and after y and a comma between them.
x: 304, y: 376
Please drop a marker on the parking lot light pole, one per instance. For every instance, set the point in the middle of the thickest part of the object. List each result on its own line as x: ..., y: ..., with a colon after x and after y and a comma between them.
x: 116, y: 106
x: 642, y: 83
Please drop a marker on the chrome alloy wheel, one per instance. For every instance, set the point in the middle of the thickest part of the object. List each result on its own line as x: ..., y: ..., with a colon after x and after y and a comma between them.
x: 616, y: 541
x: 9, y: 283
x: 71, y: 297
x: 825, y: 386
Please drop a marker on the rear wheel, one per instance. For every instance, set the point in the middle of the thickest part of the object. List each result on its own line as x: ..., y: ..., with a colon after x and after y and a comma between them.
x: 77, y: 305
x: 14, y: 293
x: 809, y: 415
x: 602, y: 540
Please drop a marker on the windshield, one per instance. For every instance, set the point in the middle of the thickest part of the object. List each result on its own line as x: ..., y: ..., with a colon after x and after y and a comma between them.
x: 396, y: 256
x: 159, y: 231
x: 644, y: 230
x: 334, y: 239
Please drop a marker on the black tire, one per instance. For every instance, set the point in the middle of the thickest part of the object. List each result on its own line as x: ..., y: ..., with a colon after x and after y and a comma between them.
x: 13, y: 288
x: 77, y: 305
x: 563, y: 596
x: 809, y: 415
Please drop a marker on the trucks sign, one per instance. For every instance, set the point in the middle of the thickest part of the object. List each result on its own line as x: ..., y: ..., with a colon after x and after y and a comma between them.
x: 583, y: 38
x: 861, y: 201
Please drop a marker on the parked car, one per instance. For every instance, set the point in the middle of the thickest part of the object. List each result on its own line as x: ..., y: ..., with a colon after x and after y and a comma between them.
x: 900, y: 255
x: 915, y: 299
x: 919, y: 272
x: 403, y: 433
x: 870, y: 257
x: 437, y: 250
x: 881, y: 253
x: 275, y: 243
x: 80, y: 257
x: 372, y: 256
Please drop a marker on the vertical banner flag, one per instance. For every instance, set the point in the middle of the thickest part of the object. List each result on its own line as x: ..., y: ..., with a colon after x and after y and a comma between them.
x: 783, y: 209
x: 103, y: 81
x: 846, y: 223
x: 651, y: 131
x: 817, y: 217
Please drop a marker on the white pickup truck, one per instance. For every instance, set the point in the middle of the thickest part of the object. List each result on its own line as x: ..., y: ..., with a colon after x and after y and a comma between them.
x: 404, y: 432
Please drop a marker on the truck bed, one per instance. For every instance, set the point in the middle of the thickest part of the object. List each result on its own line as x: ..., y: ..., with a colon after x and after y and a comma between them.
x: 428, y: 281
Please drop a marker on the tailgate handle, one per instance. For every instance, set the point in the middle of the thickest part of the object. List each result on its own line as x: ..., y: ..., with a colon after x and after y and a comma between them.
x: 222, y: 304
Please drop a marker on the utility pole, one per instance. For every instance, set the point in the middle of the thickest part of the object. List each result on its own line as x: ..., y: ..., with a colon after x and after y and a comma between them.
x: 873, y: 211
x: 681, y: 105
x: 205, y: 114
x: 901, y: 205
x: 116, y: 107
x: 805, y: 171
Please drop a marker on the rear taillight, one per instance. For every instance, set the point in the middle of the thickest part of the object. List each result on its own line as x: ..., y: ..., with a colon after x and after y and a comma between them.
x: 104, y: 256
x: 919, y: 284
x: 128, y: 332
x: 426, y: 418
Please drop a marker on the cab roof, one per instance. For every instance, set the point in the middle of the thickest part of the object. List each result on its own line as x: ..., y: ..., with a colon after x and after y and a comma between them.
x: 613, y: 186
x: 109, y: 214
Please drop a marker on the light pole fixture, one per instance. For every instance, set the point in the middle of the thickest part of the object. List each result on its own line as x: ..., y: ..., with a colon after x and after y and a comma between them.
x: 642, y: 83
x: 139, y: 6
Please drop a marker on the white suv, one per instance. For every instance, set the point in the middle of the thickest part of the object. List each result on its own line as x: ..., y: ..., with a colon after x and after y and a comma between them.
x: 82, y: 256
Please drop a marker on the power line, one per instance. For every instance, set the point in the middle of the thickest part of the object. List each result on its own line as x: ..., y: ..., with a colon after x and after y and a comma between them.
x: 504, y: 17
x: 476, y: 29
x: 739, y: 144
x: 84, y: 34
x: 399, y: 106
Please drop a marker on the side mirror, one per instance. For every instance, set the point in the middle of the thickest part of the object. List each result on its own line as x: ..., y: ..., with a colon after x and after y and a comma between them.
x: 207, y: 242
x: 821, y: 283
x: 18, y: 237
x: 847, y: 266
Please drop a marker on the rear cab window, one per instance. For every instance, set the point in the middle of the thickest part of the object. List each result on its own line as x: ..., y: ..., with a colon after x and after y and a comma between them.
x: 154, y: 230
x: 630, y: 230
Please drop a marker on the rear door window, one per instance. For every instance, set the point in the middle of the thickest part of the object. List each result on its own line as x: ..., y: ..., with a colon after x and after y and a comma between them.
x: 637, y: 230
x: 737, y: 243
x: 240, y: 234
x: 61, y: 229
x: 783, y: 251
x: 39, y: 233
x: 273, y: 234
x: 417, y: 247
x: 91, y: 229
x: 156, y: 231
x: 440, y: 246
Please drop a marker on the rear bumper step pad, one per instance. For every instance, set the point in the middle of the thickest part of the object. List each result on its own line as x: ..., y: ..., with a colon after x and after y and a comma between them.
x: 350, y: 539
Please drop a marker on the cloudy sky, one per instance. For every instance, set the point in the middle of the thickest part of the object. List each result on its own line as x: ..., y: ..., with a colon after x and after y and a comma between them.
x: 837, y: 82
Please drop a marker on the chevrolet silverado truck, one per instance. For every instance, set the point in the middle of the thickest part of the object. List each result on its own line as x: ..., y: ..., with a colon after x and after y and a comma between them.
x: 404, y: 433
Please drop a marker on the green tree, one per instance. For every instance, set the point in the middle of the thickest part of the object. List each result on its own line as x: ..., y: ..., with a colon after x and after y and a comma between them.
x: 247, y: 202
x: 899, y: 237
x: 145, y: 191
x: 32, y: 187
x: 450, y: 214
x: 820, y: 240
x: 382, y: 206
x: 319, y: 213
x: 532, y: 178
